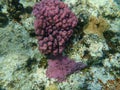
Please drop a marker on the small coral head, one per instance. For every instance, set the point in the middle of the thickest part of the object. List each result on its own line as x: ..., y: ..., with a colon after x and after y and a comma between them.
x: 54, y: 25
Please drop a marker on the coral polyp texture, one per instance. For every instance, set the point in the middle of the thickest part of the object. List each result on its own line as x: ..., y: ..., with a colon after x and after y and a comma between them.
x: 53, y: 25
x: 61, y: 66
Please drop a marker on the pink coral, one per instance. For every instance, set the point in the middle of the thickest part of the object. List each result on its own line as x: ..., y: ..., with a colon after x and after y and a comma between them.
x: 53, y: 25
x: 61, y: 66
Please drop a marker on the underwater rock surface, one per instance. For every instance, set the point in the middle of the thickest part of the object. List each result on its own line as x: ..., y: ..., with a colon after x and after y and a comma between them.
x: 23, y: 67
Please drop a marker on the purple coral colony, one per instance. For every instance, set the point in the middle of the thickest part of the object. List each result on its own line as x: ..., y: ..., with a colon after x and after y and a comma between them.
x: 54, y: 25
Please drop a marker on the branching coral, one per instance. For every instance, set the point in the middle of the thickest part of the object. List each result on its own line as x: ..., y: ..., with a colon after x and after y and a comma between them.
x: 53, y: 25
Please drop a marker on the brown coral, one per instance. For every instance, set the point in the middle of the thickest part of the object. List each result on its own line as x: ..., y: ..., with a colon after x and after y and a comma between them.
x: 96, y: 26
x: 111, y: 84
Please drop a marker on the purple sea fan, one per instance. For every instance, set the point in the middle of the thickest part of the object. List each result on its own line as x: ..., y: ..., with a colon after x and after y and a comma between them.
x: 60, y: 67
x: 54, y: 25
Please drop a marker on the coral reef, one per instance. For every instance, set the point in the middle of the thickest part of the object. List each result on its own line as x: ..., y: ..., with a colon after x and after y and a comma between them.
x: 23, y: 67
x: 53, y: 25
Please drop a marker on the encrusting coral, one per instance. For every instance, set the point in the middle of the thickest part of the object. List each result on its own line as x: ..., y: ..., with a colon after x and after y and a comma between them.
x: 96, y: 26
x: 54, y: 25
x: 61, y: 66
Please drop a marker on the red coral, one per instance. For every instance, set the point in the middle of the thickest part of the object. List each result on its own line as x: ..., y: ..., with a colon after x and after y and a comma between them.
x: 53, y: 25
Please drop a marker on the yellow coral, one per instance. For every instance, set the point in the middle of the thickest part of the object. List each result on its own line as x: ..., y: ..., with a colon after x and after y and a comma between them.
x: 52, y: 87
x: 96, y: 26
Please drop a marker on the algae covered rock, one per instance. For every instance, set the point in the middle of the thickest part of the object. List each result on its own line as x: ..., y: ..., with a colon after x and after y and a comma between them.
x: 3, y: 19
